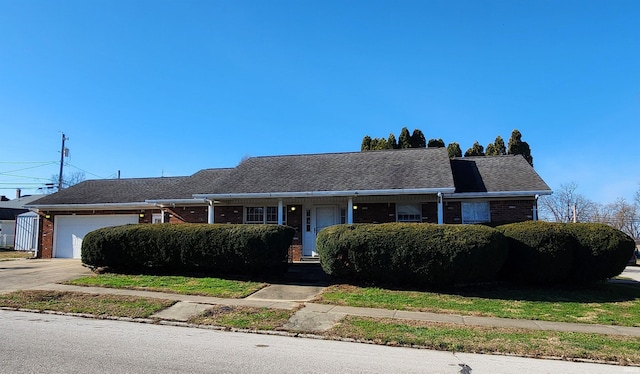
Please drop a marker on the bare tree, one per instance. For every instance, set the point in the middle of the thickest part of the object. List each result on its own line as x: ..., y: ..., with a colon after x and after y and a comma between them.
x: 625, y: 217
x: 69, y: 180
x: 566, y: 203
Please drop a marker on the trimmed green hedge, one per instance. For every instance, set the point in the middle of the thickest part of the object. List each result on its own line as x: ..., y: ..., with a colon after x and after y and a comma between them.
x: 411, y: 254
x: 544, y: 253
x: 201, y: 248
x: 603, y: 252
x: 539, y: 252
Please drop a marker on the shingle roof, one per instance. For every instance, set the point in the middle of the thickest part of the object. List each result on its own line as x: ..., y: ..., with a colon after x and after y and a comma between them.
x: 105, y: 191
x: 510, y: 173
x: 202, y: 181
x: 373, y: 170
x: 11, y: 208
x: 390, y: 170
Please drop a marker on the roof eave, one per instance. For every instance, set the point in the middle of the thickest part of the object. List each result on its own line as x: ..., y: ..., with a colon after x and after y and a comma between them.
x: 471, y: 195
x: 115, y: 206
x: 174, y: 202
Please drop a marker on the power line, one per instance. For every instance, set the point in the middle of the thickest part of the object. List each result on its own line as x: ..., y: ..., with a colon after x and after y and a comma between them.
x: 32, y: 167
x: 84, y: 171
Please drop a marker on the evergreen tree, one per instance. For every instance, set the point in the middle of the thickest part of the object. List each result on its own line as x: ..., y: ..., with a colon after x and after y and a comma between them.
x: 454, y: 150
x: 435, y: 143
x: 475, y: 150
x: 392, y: 143
x: 496, y: 148
x: 518, y: 147
x: 404, y: 141
x: 381, y: 143
x: 366, y: 143
x: 417, y: 139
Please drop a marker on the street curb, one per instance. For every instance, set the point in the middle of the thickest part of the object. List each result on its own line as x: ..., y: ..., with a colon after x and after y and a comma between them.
x: 295, y: 335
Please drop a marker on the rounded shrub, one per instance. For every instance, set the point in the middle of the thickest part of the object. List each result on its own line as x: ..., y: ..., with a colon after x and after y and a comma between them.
x: 200, y: 248
x: 539, y: 252
x: 602, y: 252
x: 411, y: 254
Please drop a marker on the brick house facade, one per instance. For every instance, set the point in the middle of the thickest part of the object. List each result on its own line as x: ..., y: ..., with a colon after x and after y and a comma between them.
x: 306, y: 192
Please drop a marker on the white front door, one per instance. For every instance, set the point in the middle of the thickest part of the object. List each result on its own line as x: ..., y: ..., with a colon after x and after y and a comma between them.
x: 317, y: 218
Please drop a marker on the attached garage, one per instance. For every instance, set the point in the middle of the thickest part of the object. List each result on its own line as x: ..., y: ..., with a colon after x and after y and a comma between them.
x: 70, y: 230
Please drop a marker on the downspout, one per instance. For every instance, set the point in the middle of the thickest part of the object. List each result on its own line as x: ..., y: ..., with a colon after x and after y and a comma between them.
x: 440, y: 209
x: 211, y: 210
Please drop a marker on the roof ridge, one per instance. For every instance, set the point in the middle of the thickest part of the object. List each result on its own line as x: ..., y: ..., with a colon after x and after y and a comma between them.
x: 348, y: 152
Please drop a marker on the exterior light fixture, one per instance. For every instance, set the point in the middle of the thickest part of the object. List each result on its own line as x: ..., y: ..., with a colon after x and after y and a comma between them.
x: 293, y: 208
x: 355, y: 207
x: 47, y: 216
x: 141, y: 215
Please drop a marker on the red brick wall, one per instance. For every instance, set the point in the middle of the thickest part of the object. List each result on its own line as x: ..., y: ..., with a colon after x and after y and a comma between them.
x: 196, y: 214
x: 294, y: 219
x: 374, y: 213
x: 430, y: 212
x: 510, y: 211
x: 452, y: 211
x: 229, y: 214
x: 45, y: 245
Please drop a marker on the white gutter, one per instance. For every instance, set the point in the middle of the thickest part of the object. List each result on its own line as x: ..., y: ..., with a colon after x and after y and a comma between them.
x: 263, y: 195
x: 89, y: 206
x: 173, y: 202
x: 472, y: 195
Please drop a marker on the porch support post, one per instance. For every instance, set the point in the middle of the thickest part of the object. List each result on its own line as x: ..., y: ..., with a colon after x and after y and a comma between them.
x: 280, y: 213
x: 440, y: 209
x: 163, y: 214
x: 211, y: 210
x: 535, y: 208
x: 350, y: 211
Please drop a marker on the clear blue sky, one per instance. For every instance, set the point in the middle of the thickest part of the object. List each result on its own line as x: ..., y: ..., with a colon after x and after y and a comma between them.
x: 160, y: 87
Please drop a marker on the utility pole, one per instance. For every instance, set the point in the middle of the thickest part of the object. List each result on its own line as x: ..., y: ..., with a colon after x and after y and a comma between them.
x: 63, y: 152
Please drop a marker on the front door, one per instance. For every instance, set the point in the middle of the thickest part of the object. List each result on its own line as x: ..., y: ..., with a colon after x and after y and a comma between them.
x: 318, y: 217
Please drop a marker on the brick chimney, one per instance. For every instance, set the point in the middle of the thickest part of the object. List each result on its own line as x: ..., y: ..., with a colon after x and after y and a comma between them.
x: 18, y: 193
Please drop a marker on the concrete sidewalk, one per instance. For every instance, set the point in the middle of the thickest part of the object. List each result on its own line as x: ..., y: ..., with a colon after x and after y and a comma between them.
x: 313, y: 317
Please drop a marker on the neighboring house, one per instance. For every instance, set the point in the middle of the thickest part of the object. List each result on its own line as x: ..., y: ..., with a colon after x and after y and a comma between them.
x: 307, y: 192
x: 9, y: 211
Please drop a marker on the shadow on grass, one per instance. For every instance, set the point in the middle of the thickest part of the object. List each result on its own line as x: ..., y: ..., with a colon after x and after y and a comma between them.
x: 602, y: 292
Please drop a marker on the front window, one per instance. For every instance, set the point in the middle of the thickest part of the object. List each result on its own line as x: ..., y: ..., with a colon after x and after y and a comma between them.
x: 476, y: 212
x: 409, y: 212
x: 261, y: 214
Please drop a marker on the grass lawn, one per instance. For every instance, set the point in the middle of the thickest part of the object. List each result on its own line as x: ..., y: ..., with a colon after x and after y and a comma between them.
x: 244, y: 317
x: 604, y: 303
x: 445, y: 337
x: 8, y: 254
x: 214, y: 287
x: 75, y: 302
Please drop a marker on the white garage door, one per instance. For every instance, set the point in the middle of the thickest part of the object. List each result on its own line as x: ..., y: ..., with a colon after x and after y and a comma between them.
x: 70, y: 230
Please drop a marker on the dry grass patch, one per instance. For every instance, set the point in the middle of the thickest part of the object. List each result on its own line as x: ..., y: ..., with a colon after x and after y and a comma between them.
x: 77, y: 302
x: 7, y: 254
x: 242, y: 317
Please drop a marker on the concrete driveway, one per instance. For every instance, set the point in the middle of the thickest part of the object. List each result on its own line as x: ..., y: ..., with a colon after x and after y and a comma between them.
x: 632, y: 272
x: 26, y: 274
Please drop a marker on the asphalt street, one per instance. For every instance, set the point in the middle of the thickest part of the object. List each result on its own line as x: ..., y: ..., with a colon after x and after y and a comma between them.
x: 39, y: 343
